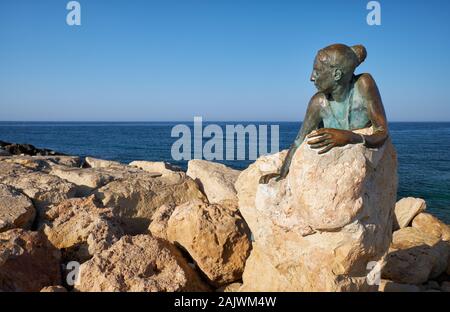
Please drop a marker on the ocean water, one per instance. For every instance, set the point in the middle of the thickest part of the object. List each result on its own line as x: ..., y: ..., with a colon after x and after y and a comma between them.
x: 423, y: 149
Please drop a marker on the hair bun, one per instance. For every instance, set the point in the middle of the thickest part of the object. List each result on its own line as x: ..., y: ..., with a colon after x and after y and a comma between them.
x: 361, y: 52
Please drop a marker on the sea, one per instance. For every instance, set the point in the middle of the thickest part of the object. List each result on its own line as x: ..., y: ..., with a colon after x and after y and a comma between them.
x: 423, y: 148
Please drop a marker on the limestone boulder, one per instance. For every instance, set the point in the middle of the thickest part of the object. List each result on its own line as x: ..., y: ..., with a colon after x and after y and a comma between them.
x: 406, y: 209
x: 215, y: 236
x: 431, y: 225
x: 86, y: 179
x: 139, y: 263
x: 135, y: 199
x: 16, y: 210
x: 325, y: 224
x: 81, y: 229
x: 415, y: 257
x: 43, y: 189
x: 248, y: 182
x: 216, y: 180
x: 161, y: 167
x: 28, y: 261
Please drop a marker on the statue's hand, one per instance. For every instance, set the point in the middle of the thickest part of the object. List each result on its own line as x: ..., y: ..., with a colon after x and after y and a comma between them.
x: 266, y: 178
x: 328, y: 138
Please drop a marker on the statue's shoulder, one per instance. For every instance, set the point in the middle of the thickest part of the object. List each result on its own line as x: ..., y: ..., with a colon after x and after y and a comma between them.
x: 364, y: 82
x: 319, y: 100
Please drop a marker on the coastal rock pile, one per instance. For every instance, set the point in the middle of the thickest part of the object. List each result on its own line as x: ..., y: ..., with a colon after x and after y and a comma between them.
x: 148, y: 226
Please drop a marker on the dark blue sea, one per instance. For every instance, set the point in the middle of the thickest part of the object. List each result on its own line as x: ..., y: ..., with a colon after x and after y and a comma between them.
x: 423, y: 149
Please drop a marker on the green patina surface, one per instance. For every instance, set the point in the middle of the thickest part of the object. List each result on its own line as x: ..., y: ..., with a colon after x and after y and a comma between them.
x: 349, y: 114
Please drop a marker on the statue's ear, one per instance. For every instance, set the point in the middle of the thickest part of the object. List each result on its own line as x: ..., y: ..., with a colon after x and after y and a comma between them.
x: 338, y: 74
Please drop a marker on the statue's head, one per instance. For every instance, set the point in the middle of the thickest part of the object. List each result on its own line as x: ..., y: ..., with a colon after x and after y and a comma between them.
x: 335, y: 65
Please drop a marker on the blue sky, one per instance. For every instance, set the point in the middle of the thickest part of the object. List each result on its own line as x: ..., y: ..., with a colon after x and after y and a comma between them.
x: 167, y: 60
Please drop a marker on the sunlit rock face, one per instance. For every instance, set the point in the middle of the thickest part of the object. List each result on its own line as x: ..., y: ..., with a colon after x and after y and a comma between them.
x: 322, y: 227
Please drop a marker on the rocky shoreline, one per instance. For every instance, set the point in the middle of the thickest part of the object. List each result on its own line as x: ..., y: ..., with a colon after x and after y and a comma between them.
x: 149, y: 226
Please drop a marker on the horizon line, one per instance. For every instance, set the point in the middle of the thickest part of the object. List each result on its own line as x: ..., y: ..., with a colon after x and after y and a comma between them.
x: 191, y: 121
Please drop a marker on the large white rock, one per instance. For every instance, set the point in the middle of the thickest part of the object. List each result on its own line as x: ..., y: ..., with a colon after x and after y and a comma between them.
x: 216, y: 180
x: 325, y: 224
x: 406, y: 209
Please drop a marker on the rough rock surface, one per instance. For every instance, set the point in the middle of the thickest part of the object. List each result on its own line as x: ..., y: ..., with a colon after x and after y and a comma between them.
x: 215, y: 236
x: 216, y: 180
x: 30, y: 162
x: 431, y: 225
x: 41, y: 188
x: 261, y: 275
x: 28, y: 261
x: 135, y: 199
x: 81, y: 229
x: 161, y: 167
x: 139, y: 263
x: 406, y: 209
x: 16, y: 210
x: 415, y: 257
x: 8, y: 169
x: 318, y: 229
x: 158, y: 226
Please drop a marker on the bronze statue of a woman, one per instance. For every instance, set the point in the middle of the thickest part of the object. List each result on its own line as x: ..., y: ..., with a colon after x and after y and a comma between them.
x: 344, y: 102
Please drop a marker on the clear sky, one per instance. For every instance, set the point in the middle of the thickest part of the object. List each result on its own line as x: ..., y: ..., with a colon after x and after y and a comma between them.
x: 167, y: 60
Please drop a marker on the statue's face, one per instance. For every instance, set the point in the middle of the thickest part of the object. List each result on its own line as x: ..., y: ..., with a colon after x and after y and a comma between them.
x: 323, y: 76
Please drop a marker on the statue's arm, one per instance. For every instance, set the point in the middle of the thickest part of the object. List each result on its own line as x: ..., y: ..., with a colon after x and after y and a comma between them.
x: 369, y: 90
x: 310, y: 123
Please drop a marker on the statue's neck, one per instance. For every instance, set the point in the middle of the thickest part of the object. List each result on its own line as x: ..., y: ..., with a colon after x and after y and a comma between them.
x: 340, y: 92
